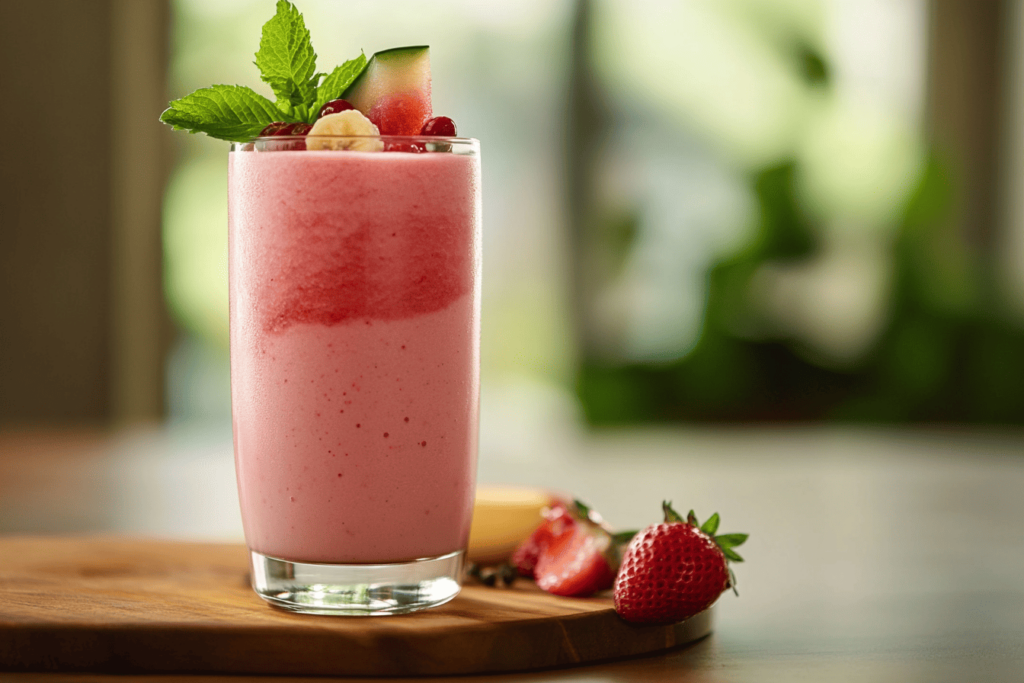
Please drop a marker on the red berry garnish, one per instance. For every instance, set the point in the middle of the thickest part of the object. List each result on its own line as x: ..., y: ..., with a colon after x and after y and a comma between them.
x: 333, y: 107
x: 441, y: 126
x: 275, y: 128
x: 413, y: 147
x: 278, y: 129
x: 299, y: 129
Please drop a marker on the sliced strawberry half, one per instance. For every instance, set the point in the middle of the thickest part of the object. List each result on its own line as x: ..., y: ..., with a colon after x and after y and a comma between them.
x: 557, y: 522
x: 577, y: 563
x: 572, y: 553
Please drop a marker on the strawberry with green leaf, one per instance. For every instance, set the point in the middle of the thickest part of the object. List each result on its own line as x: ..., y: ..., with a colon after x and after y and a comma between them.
x: 676, y: 569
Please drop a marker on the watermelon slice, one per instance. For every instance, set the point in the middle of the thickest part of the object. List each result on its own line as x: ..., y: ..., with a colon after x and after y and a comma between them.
x: 394, y: 90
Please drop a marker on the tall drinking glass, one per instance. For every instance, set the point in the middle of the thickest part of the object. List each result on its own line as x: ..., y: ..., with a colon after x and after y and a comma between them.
x: 355, y: 327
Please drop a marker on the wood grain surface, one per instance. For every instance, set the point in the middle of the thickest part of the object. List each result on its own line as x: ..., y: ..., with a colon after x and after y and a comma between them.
x: 118, y: 606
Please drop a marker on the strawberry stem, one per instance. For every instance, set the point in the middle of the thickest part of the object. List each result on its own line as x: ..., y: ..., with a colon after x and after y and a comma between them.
x: 726, y: 542
x: 729, y: 541
x: 670, y: 514
x: 624, y: 537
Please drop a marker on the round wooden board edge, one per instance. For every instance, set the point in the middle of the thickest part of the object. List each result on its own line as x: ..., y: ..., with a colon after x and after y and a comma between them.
x: 233, y: 652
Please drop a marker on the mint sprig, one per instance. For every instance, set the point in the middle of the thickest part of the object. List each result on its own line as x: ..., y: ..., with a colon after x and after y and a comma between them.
x: 226, y: 112
x: 286, y: 59
x: 287, y: 63
x: 339, y: 80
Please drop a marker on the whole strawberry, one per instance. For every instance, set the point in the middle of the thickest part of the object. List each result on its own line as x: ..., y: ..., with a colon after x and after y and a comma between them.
x: 674, y: 570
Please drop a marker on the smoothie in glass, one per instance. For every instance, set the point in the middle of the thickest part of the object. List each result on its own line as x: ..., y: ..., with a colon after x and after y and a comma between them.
x: 355, y: 294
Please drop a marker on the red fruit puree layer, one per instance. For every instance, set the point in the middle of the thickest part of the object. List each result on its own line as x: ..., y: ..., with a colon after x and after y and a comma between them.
x: 354, y: 352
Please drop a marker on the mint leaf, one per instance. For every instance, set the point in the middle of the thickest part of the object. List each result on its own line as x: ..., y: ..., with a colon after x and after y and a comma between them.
x: 286, y: 59
x: 227, y: 112
x: 335, y: 84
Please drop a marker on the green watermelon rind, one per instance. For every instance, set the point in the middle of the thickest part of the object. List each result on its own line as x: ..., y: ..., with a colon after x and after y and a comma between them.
x: 390, y: 53
x: 385, y: 56
x: 390, y: 72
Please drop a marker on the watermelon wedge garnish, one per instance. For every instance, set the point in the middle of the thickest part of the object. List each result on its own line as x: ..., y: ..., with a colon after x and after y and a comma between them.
x: 394, y: 90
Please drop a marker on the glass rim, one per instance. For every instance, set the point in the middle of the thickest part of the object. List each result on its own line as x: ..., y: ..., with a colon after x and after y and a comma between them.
x: 431, y: 144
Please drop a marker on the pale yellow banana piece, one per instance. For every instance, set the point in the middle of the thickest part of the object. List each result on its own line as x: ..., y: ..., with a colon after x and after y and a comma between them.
x: 349, y: 122
x: 504, y: 517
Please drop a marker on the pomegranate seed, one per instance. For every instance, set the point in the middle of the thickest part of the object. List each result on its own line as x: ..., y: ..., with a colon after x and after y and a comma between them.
x: 441, y: 126
x: 298, y: 129
x: 333, y: 107
x: 274, y: 128
x: 280, y: 128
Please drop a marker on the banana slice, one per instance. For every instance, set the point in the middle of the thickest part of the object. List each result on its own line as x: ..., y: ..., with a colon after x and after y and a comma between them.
x: 503, y: 517
x: 350, y: 122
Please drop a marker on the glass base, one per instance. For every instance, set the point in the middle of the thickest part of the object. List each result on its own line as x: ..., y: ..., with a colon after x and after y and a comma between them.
x: 357, y: 589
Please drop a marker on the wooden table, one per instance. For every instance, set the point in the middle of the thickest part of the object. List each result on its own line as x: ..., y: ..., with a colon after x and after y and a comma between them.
x: 874, y: 555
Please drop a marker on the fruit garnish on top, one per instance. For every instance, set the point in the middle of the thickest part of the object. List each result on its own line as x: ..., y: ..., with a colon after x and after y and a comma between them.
x: 389, y: 94
x: 394, y: 90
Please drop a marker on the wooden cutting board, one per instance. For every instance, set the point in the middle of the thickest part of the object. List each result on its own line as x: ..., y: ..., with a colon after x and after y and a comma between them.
x: 118, y: 606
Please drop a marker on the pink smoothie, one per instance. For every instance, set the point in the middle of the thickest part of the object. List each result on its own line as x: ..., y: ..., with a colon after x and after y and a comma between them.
x: 354, y: 281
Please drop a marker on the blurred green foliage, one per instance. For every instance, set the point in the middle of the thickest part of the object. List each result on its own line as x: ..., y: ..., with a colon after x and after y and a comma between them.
x: 946, y: 356
x: 949, y: 353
